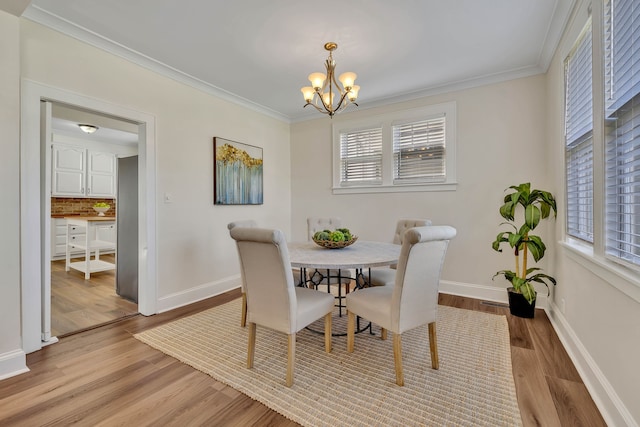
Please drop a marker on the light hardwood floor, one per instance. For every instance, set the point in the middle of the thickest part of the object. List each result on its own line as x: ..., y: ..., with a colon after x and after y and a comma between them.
x: 78, y: 304
x: 104, y: 376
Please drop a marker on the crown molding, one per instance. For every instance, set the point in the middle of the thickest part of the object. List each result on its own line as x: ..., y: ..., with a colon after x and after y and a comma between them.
x: 42, y: 17
x: 562, y: 14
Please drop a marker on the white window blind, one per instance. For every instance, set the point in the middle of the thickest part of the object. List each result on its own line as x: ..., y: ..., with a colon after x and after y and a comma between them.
x: 410, y: 150
x: 580, y: 191
x: 361, y: 157
x: 622, y: 58
x: 419, y: 151
x: 622, y: 43
x: 579, y: 138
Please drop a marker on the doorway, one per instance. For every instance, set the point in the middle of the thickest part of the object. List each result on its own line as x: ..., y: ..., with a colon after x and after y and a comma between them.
x: 35, y: 221
x: 79, y: 302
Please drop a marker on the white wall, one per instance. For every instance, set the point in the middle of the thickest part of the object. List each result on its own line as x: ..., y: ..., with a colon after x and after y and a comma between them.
x: 12, y: 358
x: 601, y: 320
x: 195, y: 253
x: 501, y: 142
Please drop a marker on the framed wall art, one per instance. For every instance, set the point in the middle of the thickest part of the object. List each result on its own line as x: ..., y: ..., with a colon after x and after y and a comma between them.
x: 237, y: 173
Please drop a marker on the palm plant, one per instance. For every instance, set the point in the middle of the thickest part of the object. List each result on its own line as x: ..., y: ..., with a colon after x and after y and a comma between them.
x: 537, y: 205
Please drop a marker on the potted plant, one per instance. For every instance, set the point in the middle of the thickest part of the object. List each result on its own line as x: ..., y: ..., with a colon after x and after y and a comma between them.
x: 536, y: 205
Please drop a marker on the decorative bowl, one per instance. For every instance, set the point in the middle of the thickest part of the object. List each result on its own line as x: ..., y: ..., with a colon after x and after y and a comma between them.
x: 329, y: 244
x: 101, y: 211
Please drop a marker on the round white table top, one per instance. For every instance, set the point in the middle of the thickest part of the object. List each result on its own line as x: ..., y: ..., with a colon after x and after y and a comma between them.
x: 362, y: 254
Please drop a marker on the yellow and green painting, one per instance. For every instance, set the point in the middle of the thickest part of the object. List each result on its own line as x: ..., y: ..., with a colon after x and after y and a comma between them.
x: 237, y: 173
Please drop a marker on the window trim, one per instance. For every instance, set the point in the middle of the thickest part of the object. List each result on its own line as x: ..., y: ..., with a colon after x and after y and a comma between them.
x: 573, y: 146
x: 386, y: 121
x: 592, y: 257
x: 621, y: 277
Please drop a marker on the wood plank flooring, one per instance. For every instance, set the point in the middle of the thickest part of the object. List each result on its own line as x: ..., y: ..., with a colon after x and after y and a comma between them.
x: 78, y: 304
x: 105, y: 377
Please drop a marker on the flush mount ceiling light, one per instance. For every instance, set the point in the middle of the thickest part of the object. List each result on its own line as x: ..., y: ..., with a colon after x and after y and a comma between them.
x: 324, y: 87
x: 88, y: 128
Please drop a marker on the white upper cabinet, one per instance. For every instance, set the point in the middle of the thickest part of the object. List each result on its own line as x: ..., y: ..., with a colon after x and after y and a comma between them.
x: 101, y: 174
x: 69, y: 171
x: 79, y: 172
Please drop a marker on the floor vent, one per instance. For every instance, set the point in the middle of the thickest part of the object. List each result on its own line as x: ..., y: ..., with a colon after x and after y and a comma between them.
x: 494, y: 304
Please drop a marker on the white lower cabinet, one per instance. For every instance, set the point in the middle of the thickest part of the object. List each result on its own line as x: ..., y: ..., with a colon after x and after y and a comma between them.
x: 59, y: 238
x: 77, y: 234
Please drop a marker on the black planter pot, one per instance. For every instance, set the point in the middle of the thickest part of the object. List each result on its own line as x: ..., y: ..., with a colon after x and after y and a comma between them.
x: 519, y: 306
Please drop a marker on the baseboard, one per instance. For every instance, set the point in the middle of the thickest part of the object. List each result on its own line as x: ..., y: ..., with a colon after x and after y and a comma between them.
x: 484, y: 292
x: 13, y: 363
x: 189, y: 296
x: 613, y: 410
x: 606, y: 399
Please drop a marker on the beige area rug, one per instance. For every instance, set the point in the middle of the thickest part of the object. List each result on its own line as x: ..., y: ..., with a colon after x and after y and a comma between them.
x: 473, y: 387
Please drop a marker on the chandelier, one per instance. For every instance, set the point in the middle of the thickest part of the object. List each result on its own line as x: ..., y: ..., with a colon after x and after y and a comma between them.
x: 324, y: 88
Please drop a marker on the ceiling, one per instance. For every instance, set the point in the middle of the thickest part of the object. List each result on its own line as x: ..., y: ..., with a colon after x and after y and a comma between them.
x: 65, y: 120
x: 259, y: 53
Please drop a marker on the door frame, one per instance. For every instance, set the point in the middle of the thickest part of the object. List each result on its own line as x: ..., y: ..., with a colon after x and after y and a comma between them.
x: 35, y: 224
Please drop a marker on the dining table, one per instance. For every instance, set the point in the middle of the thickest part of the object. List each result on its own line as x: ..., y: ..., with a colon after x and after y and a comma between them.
x: 350, y: 262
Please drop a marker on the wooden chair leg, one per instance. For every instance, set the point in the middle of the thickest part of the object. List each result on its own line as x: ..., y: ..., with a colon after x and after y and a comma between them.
x: 291, y: 358
x: 252, y: 345
x: 433, y: 345
x: 327, y: 332
x: 383, y: 333
x: 397, y: 357
x: 351, y: 330
x: 243, y: 319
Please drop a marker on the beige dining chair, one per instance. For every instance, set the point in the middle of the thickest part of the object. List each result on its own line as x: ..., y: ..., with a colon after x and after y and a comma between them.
x: 249, y: 223
x: 296, y: 273
x: 273, y: 300
x: 322, y: 276
x: 386, y: 275
x: 413, y: 300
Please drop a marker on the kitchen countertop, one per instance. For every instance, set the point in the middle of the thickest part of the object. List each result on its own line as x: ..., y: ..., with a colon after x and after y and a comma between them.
x: 90, y: 218
x: 76, y: 216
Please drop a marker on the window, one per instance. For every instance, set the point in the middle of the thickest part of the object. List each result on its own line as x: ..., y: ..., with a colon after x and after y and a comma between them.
x: 410, y: 150
x: 361, y: 157
x: 622, y: 127
x: 579, y: 138
x: 419, y: 151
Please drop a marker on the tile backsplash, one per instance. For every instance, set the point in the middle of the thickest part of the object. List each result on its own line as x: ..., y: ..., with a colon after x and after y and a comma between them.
x: 79, y: 206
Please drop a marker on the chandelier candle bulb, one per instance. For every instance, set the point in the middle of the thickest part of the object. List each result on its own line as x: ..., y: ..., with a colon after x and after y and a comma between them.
x: 317, y: 80
x: 307, y: 92
x: 327, y: 100
x: 347, y: 80
x: 353, y: 93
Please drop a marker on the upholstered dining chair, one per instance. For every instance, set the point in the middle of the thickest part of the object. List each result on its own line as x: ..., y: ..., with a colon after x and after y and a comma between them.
x: 386, y: 275
x: 315, y: 224
x: 273, y: 300
x: 413, y: 300
x: 249, y: 223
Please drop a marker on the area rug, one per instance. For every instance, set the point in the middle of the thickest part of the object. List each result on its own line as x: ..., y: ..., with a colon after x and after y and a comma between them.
x: 473, y: 387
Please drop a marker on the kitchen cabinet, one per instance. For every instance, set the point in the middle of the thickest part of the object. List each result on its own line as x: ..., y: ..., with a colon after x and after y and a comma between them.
x: 77, y: 235
x: 80, y: 172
